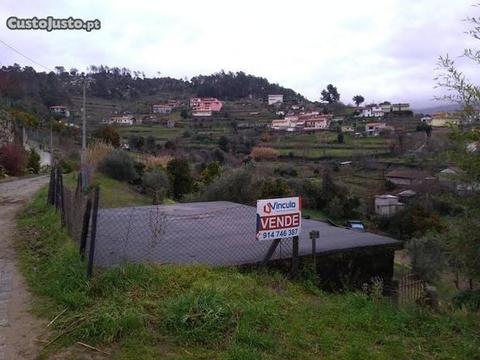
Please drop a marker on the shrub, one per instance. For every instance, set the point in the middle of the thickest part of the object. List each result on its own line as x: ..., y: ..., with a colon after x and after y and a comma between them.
x: 469, y: 299
x: 272, y: 188
x: 427, y: 256
x: 13, y: 159
x: 223, y: 143
x: 109, y: 135
x: 389, y: 185
x: 340, y: 138
x: 286, y: 171
x: 67, y: 166
x: 119, y: 165
x: 218, y: 155
x: 211, y: 171
x: 136, y: 142
x: 33, y: 162
x: 156, y: 184
x: 180, y: 177
x: 237, y: 185
x: 264, y: 153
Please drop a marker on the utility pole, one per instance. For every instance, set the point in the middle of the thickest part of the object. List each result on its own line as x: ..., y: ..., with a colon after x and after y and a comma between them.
x: 51, y: 143
x: 83, y: 166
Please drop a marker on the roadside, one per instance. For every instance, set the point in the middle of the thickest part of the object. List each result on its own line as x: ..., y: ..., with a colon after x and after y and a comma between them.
x: 18, y: 328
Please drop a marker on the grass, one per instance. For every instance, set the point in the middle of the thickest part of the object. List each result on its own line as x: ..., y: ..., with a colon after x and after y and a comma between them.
x: 137, y: 311
x: 159, y: 132
x: 113, y: 193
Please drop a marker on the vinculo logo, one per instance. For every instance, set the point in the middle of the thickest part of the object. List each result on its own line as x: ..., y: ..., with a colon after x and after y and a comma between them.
x: 285, y: 205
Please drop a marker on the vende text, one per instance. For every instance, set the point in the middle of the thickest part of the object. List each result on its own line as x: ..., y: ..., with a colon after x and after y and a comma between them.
x: 279, y: 221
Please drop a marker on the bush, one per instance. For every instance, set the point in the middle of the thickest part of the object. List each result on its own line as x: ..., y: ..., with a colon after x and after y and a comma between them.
x: 286, y: 171
x: 33, y: 162
x: 156, y: 184
x: 67, y: 166
x: 273, y: 188
x: 211, y: 171
x: 340, y: 138
x: 119, y: 166
x: 180, y: 177
x: 427, y: 256
x: 389, y: 185
x: 13, y: 159
x: 264, y: 153
x: 469, y: 299
x: 109, y: 135
x: 237, y: 185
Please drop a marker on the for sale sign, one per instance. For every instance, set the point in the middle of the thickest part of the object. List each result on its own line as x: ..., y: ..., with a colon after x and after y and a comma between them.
x: 278, y: 218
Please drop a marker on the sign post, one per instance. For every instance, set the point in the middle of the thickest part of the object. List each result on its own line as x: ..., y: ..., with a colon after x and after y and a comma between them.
x: 279, y: 219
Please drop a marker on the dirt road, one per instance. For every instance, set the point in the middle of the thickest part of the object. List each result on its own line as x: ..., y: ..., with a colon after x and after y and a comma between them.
x: 18, y: 328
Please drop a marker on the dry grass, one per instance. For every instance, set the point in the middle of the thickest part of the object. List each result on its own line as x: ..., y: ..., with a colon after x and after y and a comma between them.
x: 152, y: 161
x: 96, y: 152
x: 264, y: 153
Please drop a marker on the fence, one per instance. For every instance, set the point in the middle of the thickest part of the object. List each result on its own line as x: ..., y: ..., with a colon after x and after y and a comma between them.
x: 214, y: 233
x: 410, y: 289
x: 78, y: 212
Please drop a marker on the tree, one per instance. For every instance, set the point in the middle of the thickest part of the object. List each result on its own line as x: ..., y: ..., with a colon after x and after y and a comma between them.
x: 358, y: 99
x: 33, y: 161
x: 180, y: 177
x: 340, y: 138
x: 330, y: 94
x: 150, y: 144
x: 211, y: 171
x: 184, y: 113
x: 109, y: 135
x: 223, y: 143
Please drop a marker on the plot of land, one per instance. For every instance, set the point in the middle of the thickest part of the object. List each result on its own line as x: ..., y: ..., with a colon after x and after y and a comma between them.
x: 215, y: 233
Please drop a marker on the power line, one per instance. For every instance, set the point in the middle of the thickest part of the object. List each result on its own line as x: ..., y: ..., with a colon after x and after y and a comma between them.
x: 25, y: 56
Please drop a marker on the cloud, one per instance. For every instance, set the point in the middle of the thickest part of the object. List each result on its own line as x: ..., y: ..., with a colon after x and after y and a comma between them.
x: 385, y: 49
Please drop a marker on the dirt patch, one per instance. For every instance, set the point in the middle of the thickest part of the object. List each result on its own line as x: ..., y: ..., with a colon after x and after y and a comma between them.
x: 19, y: 329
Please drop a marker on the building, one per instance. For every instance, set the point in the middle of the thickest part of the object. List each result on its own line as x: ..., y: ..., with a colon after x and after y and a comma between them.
x: 162, y: 108
x: 315, y: 121
x: 309, y: 121
x: 444, y: 119
x: 202, y: 113
x: 387, y: 205
x: 374, y: 129
x: 275, y: 99
x: 406, y: 177
x: 386, y: 107
x: 120, y: 120
x: 60, y: 110
x: 205, y: 106
x: 371, y: 111
x: 401, y: 107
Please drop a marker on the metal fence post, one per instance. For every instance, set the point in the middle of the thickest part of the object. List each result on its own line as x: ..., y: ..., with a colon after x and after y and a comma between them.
x: 62, y: 202
x: 51, y: 188
x: 93, y: 233
x: 85, y: 225
x: 295, y: 258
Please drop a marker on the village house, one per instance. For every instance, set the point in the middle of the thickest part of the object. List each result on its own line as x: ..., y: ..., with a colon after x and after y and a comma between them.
x: 275, y: 99
x: 309, y: 121
x: 444, y: 119
x: 406, y: 177
x: 162, y: 108
x: 374, y: 129
x: 204, y: 107
x: 385, y: 107
x: 401, y: 107
x: 60, y: 110
x: 387, y: 205
x: 371, y: 111
x: 120, y: 120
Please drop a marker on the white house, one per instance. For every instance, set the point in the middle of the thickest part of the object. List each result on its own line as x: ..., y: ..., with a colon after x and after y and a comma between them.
x: 275, y: 99
x: 162, y: 108
x: 120, y: 120
x: 371, y: 111
x: 401, y: 107
x: 387, y: 205
x: 374, y: 129
x: 60, y: 110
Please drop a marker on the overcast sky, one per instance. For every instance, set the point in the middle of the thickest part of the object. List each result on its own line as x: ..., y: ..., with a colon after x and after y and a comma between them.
x: 383, y: 50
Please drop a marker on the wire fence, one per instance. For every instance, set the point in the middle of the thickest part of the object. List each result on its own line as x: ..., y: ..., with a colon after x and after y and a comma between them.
x: 214, y: 233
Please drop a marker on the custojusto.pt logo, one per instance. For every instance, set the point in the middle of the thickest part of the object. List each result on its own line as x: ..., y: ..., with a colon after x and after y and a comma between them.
x: 50, y: 23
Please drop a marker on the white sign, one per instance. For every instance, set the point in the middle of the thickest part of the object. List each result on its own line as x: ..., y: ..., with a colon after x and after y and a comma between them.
x: 278, y: 218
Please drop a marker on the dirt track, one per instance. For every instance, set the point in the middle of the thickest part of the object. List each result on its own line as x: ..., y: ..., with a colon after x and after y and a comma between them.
x: 18, y: 328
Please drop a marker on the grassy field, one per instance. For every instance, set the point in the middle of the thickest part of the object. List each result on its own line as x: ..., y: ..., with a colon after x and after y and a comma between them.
x: 194, y: 312
x: 159, y: 132
x: 113, y: 193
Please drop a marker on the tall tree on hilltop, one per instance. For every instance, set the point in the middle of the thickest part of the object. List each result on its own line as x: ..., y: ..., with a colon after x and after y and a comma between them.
x: 358, y: 99
x: 330, y: 94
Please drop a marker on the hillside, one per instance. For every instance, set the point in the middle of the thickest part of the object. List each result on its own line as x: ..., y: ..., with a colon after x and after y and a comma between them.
x: 117, y: 89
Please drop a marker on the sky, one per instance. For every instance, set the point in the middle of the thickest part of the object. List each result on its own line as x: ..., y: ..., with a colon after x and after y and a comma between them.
x: 383, y: 50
